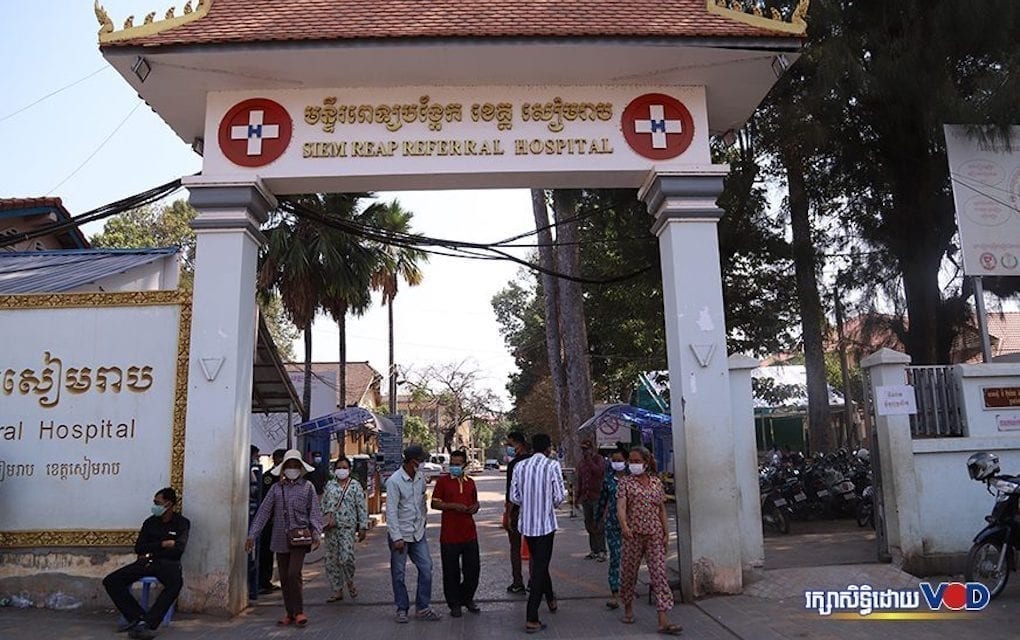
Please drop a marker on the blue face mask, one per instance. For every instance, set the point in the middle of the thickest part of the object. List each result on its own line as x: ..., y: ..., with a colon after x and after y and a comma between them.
x: 456, y: 470
x: 158, y: 510
x: 511, y: 452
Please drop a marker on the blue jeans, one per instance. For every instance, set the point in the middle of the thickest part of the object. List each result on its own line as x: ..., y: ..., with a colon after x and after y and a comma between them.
x: 422, y: 560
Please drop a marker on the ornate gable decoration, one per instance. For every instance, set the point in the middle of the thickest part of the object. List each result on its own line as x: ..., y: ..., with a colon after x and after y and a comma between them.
x: 752, y: 12
x: 150, y: 26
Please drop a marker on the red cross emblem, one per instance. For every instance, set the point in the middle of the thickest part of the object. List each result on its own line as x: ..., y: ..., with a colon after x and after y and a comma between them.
x: 255, y: 132
x: 657, y: 126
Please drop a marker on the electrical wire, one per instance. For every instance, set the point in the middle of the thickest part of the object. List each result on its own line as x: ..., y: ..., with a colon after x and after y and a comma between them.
x: 120, y: 206
x: 97, y: 149
x: 53, y: 93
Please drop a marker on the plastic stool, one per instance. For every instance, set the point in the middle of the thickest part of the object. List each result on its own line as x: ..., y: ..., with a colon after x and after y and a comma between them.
x: 147, y: 584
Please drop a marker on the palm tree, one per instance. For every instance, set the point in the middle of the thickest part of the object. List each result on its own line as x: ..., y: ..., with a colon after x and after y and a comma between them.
x: 398, y: 263
x: 316, y: 267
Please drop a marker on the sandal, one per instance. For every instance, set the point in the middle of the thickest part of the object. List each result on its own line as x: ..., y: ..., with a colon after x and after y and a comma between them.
x: 285, y: 620
x: 613, y: 604
x: 627, y: 619
x: 553, y: 606
x: 301, y: 620
x: 351, y: 589
x: 336, y: 597
x: 670, y: 630
x: 530, y: 629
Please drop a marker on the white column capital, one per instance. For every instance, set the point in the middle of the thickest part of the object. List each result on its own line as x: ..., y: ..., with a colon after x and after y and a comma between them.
x: 690, y: 195
x: 740, y: 362
x: 885, y: 356
x: 229, y: 204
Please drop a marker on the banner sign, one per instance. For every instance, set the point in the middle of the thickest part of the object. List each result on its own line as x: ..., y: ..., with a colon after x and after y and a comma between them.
x: 986, y: 190
x: 93, y: 391
x: 415, y: 136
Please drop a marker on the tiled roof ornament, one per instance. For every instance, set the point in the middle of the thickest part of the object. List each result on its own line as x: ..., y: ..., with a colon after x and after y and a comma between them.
x: 752, y: 12
x: 150, y: 26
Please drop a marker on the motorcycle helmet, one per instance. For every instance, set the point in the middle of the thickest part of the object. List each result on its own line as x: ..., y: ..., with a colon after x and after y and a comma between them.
x: 863, y: 455
x: 982, y: 465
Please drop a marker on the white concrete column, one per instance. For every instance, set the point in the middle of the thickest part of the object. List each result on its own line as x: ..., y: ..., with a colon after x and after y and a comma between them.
x: 707, y: 493
x: 896, y: 457
x: 215, y: 496
x: 746, y: 453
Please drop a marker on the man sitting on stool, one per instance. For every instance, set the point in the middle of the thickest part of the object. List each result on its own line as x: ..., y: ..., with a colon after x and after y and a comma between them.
x: 159, y: 546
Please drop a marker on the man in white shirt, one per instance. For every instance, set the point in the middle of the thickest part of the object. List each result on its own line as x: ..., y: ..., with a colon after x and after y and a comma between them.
x: 537, y: 487
x: 405, y: 524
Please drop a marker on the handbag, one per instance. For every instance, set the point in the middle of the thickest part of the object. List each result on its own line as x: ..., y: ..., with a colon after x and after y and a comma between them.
x: 298, y: 536
x: 330, y: 522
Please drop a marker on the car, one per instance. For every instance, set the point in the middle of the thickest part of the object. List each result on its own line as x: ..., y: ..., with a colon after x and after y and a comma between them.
x: 431, y: 470
x: 492, y: 463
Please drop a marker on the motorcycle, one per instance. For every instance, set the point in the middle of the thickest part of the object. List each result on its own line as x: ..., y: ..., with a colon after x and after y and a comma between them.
x: 774, y: 507
x: 866, y: 508
x: 993, y: 553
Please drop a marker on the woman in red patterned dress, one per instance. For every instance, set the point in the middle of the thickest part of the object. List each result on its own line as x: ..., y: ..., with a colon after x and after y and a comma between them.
x: 641, y: 509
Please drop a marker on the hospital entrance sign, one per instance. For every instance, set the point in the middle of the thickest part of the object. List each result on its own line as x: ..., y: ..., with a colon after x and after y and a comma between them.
x: 429, y: 137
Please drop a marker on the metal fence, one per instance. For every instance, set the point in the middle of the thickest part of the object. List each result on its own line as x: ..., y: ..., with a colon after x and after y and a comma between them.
x: 939, y: 405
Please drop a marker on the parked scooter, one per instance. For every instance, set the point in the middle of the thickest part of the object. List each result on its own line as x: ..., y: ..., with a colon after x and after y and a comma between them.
x: 993, y: 553
x: 774, y: 507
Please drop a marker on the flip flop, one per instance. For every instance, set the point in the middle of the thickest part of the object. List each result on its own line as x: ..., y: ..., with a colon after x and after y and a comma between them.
x: 541, y: 627
x: 612, y: 605
x: 352, y: 590
x: 671, y: 630
x: 627, y: 619
x: 335, y: 598
x: 301, y: 620
x: 284, y: 621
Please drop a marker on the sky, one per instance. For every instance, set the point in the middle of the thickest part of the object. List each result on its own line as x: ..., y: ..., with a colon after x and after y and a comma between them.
x: 95, y: 142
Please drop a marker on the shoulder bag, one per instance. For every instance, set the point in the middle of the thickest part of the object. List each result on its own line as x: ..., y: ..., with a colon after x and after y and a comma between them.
x: 298, y: 536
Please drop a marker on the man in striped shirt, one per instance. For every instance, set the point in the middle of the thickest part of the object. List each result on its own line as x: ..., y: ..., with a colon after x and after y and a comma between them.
x: 537, y: 488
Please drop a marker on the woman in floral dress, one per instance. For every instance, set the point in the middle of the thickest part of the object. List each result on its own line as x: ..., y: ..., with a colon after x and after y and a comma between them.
x: 607, y: 508
x: 346, y: 514
x: 641, y: 508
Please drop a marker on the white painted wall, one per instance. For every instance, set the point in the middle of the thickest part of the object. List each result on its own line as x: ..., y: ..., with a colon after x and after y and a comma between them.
x: 162, y: 274
x: 951, y: 506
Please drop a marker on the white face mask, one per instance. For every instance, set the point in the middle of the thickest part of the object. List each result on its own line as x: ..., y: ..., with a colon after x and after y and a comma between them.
x: 342, y: 474
x: 618, y: 466
x: 636, y: 468
x: 292, y: 474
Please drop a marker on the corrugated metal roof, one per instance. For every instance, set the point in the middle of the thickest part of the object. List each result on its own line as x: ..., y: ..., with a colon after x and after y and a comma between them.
x: 56, y: 271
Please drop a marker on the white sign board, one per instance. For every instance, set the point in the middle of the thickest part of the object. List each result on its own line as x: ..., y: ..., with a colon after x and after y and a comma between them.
x: 986, y: 190
x: 1007, y: 422
x: 91, y: 410
x: 895, y: 400
x: 307, y: 140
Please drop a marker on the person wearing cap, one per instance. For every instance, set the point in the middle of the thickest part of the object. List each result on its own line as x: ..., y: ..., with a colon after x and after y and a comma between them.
x: 292, y: 504
x: 405, y: 524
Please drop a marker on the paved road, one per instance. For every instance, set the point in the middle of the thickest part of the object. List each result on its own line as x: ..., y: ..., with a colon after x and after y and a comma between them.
x: 772, y: 607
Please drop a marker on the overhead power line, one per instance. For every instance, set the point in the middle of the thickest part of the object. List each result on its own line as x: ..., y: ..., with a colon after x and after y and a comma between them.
x: 53, y: 93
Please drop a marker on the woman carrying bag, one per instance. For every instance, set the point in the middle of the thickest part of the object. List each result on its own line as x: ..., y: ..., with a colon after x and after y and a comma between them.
x: 346, y: 518
x: 297, y: 529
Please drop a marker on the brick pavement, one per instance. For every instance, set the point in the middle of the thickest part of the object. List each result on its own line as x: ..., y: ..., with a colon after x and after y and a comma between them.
x: 771, y: 609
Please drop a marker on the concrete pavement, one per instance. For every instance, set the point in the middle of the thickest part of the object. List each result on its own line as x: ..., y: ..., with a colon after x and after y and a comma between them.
x: 771, y: 608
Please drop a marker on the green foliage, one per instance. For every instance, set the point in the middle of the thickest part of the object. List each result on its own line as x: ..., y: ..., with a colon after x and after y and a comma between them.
x: 284, y: 333
x: 417, y: 432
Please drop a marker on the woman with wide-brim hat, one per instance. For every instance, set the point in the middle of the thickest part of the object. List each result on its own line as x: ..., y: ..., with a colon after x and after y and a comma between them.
x: 297, y: 529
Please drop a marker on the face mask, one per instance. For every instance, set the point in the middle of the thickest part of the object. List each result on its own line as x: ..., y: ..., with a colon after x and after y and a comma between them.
x: 342, y: 474
x: 636, y: 468
x: 511, y: 452
x: 317, y: 460
x: 456, y: 471
x: 158, y: 510
x: 292, y: 474
x: 618, y: 466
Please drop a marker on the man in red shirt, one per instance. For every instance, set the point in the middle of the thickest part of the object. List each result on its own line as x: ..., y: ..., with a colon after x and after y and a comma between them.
x: 457, y: 497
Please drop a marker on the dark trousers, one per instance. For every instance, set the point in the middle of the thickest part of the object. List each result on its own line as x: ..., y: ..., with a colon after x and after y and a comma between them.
x: 593, y: 524
x: 515, y: 557
x: 118, y: 585
x: 462, y: 565
x: 541, y: 548
x: 290, y: 565
x: 265, y: 557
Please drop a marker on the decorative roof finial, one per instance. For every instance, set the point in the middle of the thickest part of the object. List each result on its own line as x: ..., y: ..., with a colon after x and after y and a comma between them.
x: 149, y: 18
x: 169, y: 13
x: 105, y: 24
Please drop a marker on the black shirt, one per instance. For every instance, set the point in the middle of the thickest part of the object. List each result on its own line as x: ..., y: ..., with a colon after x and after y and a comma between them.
x: 155, y: 531
x: 510, y: 470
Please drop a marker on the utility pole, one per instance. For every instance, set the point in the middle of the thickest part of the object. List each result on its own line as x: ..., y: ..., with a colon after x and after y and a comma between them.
x: 843, y: 365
